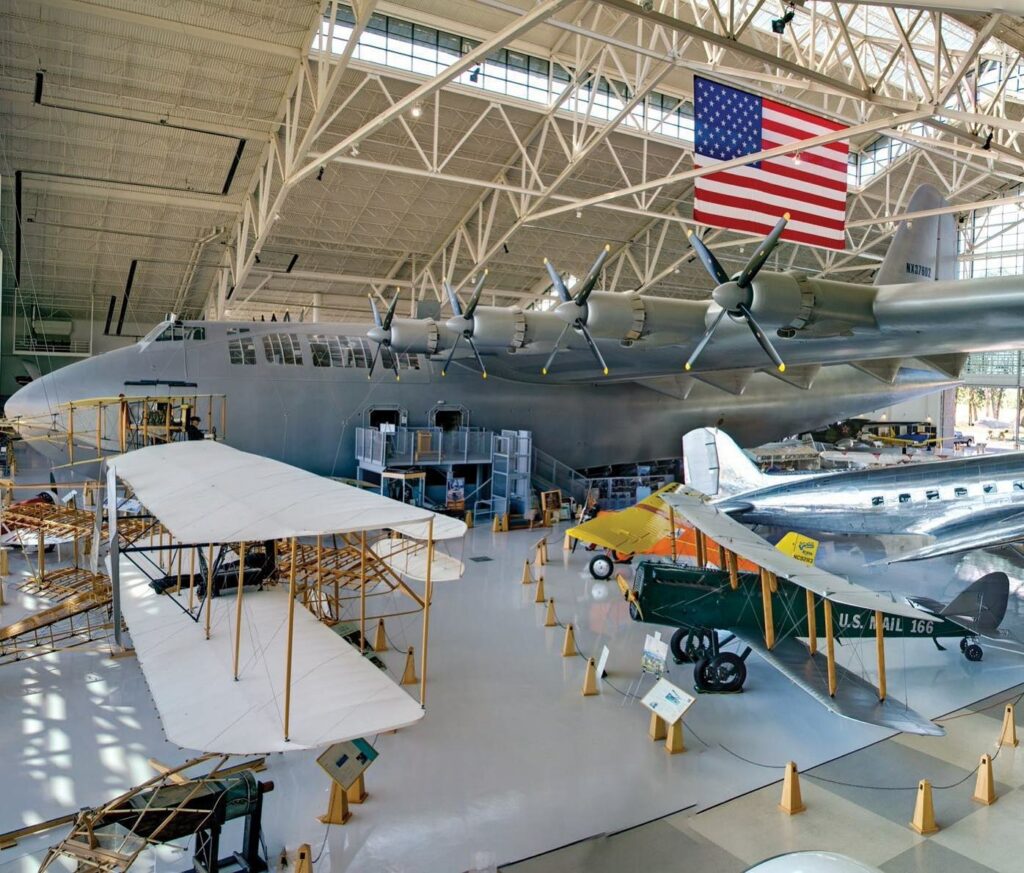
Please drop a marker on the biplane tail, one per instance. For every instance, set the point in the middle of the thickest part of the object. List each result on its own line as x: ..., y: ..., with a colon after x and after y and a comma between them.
x: 980, y: 607
x: 715, y: 465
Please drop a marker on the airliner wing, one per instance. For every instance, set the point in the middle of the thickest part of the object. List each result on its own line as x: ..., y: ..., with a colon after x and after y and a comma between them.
x: 967, y: 537
x: 707, y: 518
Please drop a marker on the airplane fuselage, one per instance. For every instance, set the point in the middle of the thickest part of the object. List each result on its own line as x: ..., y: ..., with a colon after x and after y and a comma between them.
x: 297, y: 392
x: 932, y: 498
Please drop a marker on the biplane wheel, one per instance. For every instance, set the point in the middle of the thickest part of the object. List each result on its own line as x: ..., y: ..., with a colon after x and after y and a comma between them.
x: 973, y: 652
x: 601, y: 567
x: 729, y: 671
x: 963, y: 644
x: 688, y: 645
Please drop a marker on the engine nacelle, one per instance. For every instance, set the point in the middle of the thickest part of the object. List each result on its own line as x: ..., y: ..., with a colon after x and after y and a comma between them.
x: 499, y: 327
x: 656, y: 320
x: 419, y: 335
x: 791, y: 302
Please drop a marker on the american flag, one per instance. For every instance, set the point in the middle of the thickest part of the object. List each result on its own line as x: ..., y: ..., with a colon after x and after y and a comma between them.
x: 810, y: 185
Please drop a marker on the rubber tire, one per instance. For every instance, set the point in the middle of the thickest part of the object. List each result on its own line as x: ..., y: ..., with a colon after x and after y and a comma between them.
x: 973, y: 652
x: 602, y: 561
x: 963, y: 644
x: 728, y: 671
x: 685, y: 648
x: 702, y: 677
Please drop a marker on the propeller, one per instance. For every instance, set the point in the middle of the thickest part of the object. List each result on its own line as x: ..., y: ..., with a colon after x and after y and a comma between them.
x: 462, y: 322
x: 380, y: 333
x: 736, y: 294
x: 574, y: 309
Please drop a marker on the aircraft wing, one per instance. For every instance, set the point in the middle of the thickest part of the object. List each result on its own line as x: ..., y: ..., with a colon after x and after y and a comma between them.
x: 968, y: 537
x: 855, y: 698
x: 693, y: 507
x: 633, y: 531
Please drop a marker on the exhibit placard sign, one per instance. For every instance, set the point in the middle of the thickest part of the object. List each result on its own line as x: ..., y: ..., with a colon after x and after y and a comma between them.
x: 668, y: 701
x: 602, y: 662
x: 345, y: 762
x: 655, y: 656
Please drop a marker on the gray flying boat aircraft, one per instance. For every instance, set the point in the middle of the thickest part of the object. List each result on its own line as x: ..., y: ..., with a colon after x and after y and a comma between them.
x: 960, y: 504
x: 604, y: 378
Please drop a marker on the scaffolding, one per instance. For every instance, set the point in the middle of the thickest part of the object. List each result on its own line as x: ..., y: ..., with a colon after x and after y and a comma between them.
x: 94, y: 428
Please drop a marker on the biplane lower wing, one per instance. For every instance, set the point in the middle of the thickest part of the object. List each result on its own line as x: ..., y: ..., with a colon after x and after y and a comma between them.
x: 694, y: 509
x: 855, y: 697
x: 409, y: 558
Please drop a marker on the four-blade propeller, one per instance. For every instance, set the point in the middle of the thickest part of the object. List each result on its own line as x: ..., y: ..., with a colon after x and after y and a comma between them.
x: 381, y: 334
x: 461, y: 323
x: 736, y: 295
x: 573, y: 309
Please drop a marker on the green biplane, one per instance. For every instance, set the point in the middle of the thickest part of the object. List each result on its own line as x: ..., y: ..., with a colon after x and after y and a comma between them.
x: 788, y: 601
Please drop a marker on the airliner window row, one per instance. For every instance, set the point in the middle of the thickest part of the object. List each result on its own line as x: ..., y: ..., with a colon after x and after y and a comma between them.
x: 324, y: 351
x: 933, y: 493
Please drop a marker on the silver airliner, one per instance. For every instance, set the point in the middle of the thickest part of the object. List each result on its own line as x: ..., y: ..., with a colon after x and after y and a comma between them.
x: 603, y: 378
x: 960, y: 504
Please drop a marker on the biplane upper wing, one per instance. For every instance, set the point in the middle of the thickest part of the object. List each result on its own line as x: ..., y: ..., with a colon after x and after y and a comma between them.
x: 693, y: 507
x: 634, y: 531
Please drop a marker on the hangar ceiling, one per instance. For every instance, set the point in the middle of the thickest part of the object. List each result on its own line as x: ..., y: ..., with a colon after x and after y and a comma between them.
x: 240, y: 158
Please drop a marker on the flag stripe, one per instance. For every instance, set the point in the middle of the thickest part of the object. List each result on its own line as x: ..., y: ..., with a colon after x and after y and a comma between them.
x: 784, y: 168
x: 829, y: 206
x: 793, y: 134
x: 806, y: 118
x: 769, y: 206
x: 835, y: 169
x: 807, y: 177
x: 749, y: 226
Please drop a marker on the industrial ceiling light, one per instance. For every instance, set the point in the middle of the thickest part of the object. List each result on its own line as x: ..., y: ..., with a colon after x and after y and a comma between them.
x: 354, y: 151
x: 579, y: 213
x: 474, y: 74
x: 988, y: 140
x: 779, y: 24
x: 320, y: 174
x: 417, y: 110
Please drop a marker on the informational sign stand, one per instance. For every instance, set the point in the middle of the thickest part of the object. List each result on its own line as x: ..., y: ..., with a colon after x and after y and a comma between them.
x: 667, y: 704
x: 345, y: 763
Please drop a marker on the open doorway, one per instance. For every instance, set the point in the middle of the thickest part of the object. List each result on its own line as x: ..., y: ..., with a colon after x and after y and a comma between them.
x: 448, y: 418
x: 385, y: 415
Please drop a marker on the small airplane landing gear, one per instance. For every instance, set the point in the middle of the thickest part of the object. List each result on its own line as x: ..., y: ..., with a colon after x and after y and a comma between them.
x: 715, y: 671
x: 601, y: 567
x: 691, y: 644
x: 972, y: 651
x: 723, y: 673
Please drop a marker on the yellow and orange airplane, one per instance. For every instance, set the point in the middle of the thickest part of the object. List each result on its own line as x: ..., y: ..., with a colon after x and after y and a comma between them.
x: 651, y: 527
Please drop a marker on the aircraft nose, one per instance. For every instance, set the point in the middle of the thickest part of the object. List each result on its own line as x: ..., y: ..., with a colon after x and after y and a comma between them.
x: 30, y: 404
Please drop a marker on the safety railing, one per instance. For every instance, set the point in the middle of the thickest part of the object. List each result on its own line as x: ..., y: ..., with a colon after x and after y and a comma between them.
x: 422, y: 446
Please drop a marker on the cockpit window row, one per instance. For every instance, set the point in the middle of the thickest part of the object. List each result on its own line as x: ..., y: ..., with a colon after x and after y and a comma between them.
x: 933, y: 493
x: 325, y: 351
x: 179, y: 333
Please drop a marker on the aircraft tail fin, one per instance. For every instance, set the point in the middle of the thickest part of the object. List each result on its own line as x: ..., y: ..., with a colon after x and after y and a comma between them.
x: 714, y: 464
x: 924, y: 249
x: 981, y: 606
x: 798, y: 546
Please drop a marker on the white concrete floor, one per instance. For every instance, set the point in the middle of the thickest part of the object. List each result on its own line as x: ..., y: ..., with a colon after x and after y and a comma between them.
x: 510, y: 760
